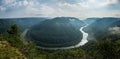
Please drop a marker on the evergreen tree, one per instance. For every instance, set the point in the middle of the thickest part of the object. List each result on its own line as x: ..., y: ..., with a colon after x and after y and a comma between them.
x: 13, y: 30
x: 14, y: 36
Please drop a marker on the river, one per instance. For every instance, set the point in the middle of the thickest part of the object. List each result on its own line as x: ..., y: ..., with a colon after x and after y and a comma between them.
x: 22, y: 36
x: 81, y: 43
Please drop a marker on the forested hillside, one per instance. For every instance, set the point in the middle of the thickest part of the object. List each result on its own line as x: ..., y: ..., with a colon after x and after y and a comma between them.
x: 4, y: 25
x: 99, y: 29
x: 57, y: 32
x: 12, y: 47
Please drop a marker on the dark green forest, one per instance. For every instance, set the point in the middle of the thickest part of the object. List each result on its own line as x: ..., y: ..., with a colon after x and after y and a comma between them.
x: 56, y: 32
x: 11, y: 47
x: 105, y: 46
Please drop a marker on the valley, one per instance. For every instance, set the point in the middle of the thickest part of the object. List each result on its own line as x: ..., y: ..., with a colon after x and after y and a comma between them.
x: 81, y: 43
x: 62, y: 37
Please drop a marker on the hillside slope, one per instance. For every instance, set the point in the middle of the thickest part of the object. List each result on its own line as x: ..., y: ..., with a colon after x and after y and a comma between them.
x: 57, y: 32
x: 98, y: 29
x: 9, y: 52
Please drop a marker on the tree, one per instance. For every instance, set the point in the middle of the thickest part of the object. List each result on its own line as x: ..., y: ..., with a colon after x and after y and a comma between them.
x: 105, y: 49
x: 13, y: 30
x: 30, y: 50
x: 14, y: 36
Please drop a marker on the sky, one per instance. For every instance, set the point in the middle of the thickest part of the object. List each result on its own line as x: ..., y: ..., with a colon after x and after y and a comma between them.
x: 59, y: 8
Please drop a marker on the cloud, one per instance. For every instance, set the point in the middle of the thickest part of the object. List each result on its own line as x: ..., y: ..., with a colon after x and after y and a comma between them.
x: 90, y: 3
x: 7, y: 1
x: 2, y: 9
x: 28, y: 7
x: 23, y: 3
x: 43, y: 10
x: 88, y: 6
x: 54, y: 8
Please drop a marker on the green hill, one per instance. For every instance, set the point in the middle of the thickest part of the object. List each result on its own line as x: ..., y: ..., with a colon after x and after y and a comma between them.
x: 57, y: 32
x: 99, y: 29
x: 4, y: 25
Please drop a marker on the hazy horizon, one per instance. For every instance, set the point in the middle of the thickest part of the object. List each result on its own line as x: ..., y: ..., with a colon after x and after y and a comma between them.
x: 55, y: 17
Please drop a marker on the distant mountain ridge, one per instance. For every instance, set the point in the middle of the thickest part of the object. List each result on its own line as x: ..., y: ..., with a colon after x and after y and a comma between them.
x: 4, y: 25
x: 24, y: 23
x: 90, y: 20
x: 98, y: 29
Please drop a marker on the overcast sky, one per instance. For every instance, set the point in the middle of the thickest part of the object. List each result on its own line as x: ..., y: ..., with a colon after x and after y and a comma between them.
x: 57, y: 8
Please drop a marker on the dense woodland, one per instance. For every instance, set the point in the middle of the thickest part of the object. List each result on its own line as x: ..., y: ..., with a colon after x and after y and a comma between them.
x: 57, y: 32
x: 12, y: 47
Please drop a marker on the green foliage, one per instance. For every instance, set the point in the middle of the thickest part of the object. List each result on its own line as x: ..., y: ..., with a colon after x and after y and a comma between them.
x: 30, y: 50
x: 105, y: 49
x: 57, y: 32
x: 2, y: 37
x: 62, y: 54
x: 14, y: 36
x: 9, y: 52
x: 13, y: 31
x: 11, y: 47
